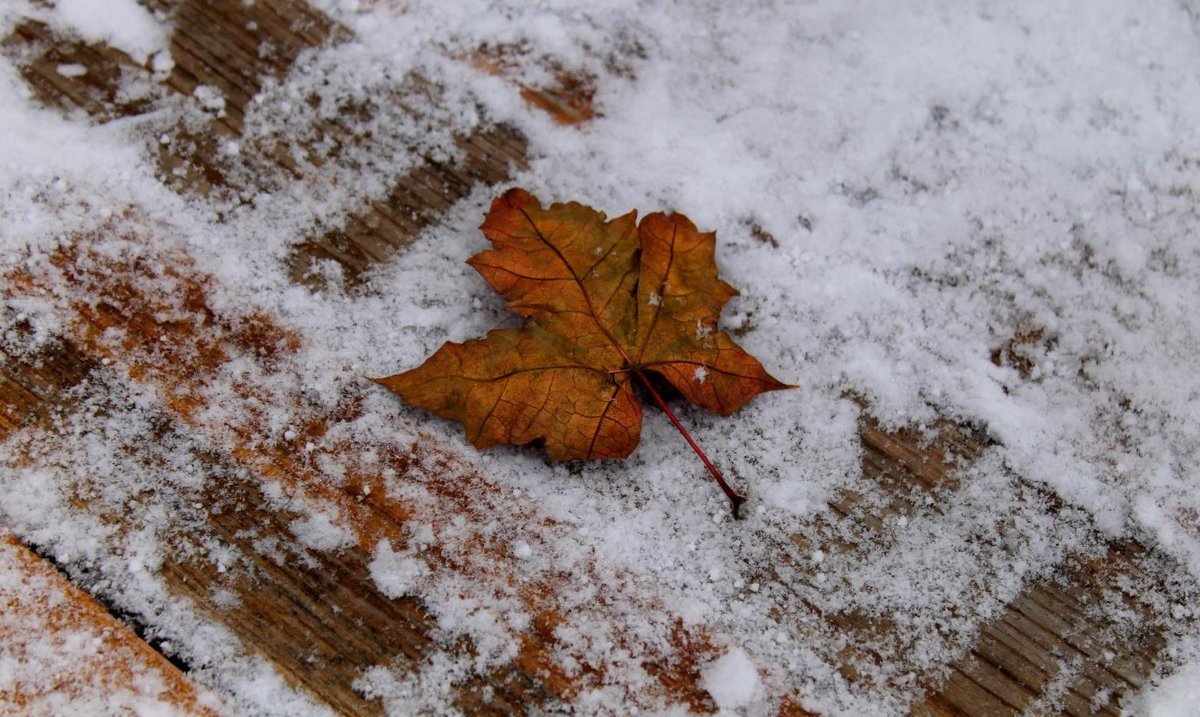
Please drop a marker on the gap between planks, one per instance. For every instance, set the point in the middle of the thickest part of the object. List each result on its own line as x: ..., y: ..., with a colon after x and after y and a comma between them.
x: 110, y: 666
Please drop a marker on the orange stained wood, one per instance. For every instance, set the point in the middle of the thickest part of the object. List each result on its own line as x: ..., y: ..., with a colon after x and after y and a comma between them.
x: 71, y: 656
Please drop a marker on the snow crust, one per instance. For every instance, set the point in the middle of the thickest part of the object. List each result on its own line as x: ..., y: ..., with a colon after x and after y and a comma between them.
x: 935, y: 179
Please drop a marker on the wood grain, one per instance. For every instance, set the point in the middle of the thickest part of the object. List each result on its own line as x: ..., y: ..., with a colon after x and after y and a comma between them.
x: 233, y: 47
x: 417, y: 201
x: 97, y: 92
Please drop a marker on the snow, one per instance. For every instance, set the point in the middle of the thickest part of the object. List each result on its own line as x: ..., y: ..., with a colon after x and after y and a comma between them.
x: 321, y: 532
x: 522, y: 550
x: 938, y: 177
x: 395, y: 573
x: 1176, y: 696
x: 732, y: 679
x: 124, y: 24
x: 71, y: 70
x: 210, y: 98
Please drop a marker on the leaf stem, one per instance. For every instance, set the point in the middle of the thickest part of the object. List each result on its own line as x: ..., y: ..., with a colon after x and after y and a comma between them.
x: 735, y: 498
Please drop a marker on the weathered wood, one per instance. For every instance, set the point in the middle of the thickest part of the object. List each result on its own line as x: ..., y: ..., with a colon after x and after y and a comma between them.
x: 568, y: 99
x: 1043, y: 643
x: 321, y: 624
x: 220, y: 45
x: 43, y: 57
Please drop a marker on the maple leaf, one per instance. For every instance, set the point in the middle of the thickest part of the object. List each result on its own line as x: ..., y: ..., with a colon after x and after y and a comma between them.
x: 606, y: 303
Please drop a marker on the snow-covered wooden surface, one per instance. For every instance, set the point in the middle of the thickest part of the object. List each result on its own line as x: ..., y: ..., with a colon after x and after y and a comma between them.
x: 65, y: 654
x: 282, y: 577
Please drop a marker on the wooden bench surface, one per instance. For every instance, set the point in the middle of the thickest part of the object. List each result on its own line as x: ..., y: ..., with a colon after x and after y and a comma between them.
x: 1077, y: 642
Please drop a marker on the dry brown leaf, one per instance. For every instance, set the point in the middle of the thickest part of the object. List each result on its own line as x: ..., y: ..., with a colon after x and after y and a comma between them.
x: 606, y: 303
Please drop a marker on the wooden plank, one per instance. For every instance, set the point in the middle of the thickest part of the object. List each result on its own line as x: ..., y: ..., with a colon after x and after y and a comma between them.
x: 65, y: 654
x: 966, y: 696
x: 219, y: 44
x: 416, y: 201
x: 1065, y: 664
x: 1041, y: 645
x: 320, y: 624
x: 43, y: 57
x: 568, y: 99
x: 995, y: 681
x: 335, y: 606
